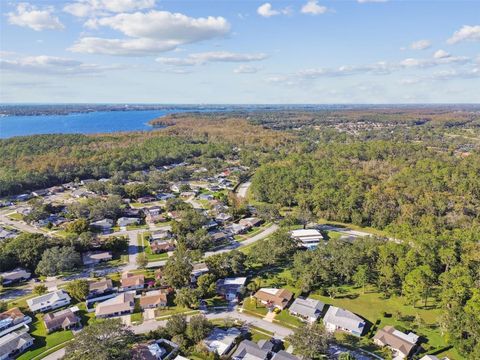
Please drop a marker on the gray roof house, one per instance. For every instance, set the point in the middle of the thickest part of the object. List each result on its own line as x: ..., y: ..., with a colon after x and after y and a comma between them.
x: 344, y: 320
x: 307, y: 309
x: 104, y: 225
x: 16, y: 275
x: 283, y: 355
x: 248, y: 350
x: 14, y: 343
x: 221, y: 341
x: 125, y: 221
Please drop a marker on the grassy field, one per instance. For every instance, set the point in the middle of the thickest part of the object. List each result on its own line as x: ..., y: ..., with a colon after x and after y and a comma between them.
x: 15, y: 216
x: 43, y: 341
x: 379, y: 311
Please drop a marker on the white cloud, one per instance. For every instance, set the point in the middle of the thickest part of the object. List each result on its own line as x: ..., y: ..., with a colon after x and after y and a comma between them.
x: 150, y: 33
x: 420, y: 45
x: 27, y: 15
x: 52, y: 65
x: 266, y: 10
x: 312, y: 7
x: 214, y: 56
x: 441, y: 54
x: 466, y: 33
x: 246, y: 69
x: 90, y: 8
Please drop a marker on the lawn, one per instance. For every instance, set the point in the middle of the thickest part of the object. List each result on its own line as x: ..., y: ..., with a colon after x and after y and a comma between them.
x: 252, y: 232
x: 216, y: 301
x: 392, y: 311
x: 15, y: 216
x: 44, y: 341
x: 251, y: 306
x: 284, y: 318
x: 171, y: 310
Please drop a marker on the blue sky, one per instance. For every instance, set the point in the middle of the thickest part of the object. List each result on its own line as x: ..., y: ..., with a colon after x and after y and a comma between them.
x: 356, y: 51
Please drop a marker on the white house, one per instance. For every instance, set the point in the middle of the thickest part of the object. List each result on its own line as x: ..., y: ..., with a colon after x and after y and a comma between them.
x: 307, y: 238
x: 221, y: 341
x: 344, y: 320
x: 14, y: 343
x: 49, y: 301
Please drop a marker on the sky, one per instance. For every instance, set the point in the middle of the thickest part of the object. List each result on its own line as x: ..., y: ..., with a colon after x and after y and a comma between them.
x: 240, y: 52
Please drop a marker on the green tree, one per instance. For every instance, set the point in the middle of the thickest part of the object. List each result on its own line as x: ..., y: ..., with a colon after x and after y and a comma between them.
x: 187, y: 297
x: 77, y: 226
x: 101, y: 340
x: 206, y: 285
x: 40, y: 289
x: 418, y: 284
x: 78, y: 289
x: 58, y: 259
x: 178, y: 268
x: 142, y: 260
x: 361, y: 277
x: 198, y: 328
x: 310, y: 340
x: 177, y: 324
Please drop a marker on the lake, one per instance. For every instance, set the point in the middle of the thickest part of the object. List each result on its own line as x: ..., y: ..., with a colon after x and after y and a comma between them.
x: 83, y: 123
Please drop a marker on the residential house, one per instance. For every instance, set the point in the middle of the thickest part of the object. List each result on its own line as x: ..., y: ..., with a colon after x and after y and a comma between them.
x: 231, y: 287
x: 161, y: 235
x: 64, y: 319
x: 100, y: 287
x: 283, y: 355
x: 211, y: 224
x: 13, y: 319
x: 223, y: 217
x: 344, y: 320
x: 165, y: 196
x: 96, y: 257
x: 251, y: 222
x: 198, y: 270
x: 104, y: 225
x: 218, y: 236
x: 401, y: 344
x: 119, y: 305
x: 274, y: 298
x: 236, y: 229
x: 271, y: 345
x: 39, y: 193
x: 154, y: 214
x: 131, y: 281
x: 154, y: 299
x: 221, y: 341
x: 145, y: 199
x: 7, y: 234
x: 14, y: 343
x: 14, y: 276
x: 206, y: 197
x: 49, y: 301
x: 307, y: 309
x: 248, y: 350
x: 307, y: 238
x: 159, y: 247
x: 123, y: 222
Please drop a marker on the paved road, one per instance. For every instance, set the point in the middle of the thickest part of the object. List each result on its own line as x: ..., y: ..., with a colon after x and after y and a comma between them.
x: 238, y: 245
x: 242, y: 189
x: 55, y: 355
x: 20, y: 225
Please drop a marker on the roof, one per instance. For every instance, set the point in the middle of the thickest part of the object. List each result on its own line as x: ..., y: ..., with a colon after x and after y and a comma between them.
x: 92, y: 257
x: 283, y: 355
x: 249, y: 350
x: 156, y: 297
x: 16, y: 274
x: 307, y: 307
x: 278, y: 297
x: 344, y: 319
x: 48, y: 299
x: 13, y: 314
x: 101, y: 285
x: 62, y: 318
x: 129, y: 279
x: 395, y: 339
x: 120, y: 303
x: 220, y: 340
x: 14, y: 341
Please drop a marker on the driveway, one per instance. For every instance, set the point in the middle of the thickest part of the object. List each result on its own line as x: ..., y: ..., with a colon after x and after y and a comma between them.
x: 242, y: 189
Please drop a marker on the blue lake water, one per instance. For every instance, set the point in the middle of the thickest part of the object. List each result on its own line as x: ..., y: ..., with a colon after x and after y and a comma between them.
x: 84, y: 123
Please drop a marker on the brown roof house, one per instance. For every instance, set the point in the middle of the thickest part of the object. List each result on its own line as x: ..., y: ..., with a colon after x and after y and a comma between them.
x: 274, y: 298
x: 100, y: 287
x: 121, y: 304
x: 159, y: 247
x: 64, y: 319
x: 132, y: 282
x: 400, y: 343
x: 153, y: 299
x: 11, y: 320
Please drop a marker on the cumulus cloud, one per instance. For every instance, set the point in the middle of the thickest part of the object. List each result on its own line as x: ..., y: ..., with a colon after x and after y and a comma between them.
x: 441, y: 54
x: 90, y: 8
x: 312, y: 7
x: 466, y: 33
x: 151, y: 32
x: 420, y: 45
x: 213, y: 56
x: 246, y: 69
x: 30, y: 16
x: 266, y: 10
x: 52, y: 65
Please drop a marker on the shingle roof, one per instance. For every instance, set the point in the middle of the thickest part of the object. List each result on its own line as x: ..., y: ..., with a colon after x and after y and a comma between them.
x: 344, y: 319
x: 307, y: 307
x: 249, y: 350
x: 388, y: 336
